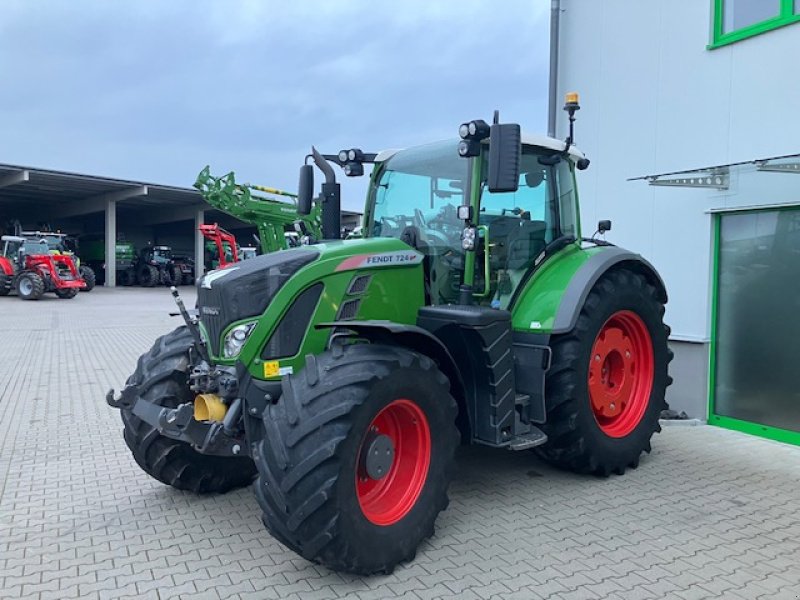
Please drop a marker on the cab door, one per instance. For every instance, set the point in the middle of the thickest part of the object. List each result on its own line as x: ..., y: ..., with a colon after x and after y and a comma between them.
x: 517, y: 227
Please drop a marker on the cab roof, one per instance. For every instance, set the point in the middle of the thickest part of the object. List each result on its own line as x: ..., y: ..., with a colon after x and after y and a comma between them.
x: 528, y: 139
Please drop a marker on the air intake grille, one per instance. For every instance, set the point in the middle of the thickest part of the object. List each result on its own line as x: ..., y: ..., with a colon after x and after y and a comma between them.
x: 359, y: 284
x: 288, y: 335
x: 348, y: 310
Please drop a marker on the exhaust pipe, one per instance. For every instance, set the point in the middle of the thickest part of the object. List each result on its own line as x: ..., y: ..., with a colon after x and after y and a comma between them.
x: 209, y: 407
x: 331, y: 199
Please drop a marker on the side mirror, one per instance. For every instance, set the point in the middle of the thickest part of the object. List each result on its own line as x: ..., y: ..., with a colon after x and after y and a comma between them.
x: 305, y: 190
x: 505, y: 153
x: 603, y: 226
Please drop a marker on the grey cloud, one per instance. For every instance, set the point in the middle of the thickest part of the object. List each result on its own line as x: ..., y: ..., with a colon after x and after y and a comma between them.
x: 155, y: 90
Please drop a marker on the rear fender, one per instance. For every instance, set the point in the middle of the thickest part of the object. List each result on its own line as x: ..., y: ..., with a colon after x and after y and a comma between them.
x: 590, y: 272
x: 550, y: 302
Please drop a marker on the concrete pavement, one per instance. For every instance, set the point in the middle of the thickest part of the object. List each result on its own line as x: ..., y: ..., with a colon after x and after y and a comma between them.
x: 709, y: 514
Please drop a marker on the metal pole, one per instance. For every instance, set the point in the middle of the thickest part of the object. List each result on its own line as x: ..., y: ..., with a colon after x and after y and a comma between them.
x: 199, y: 245
x: 552, y: 108
x: 111, y: 244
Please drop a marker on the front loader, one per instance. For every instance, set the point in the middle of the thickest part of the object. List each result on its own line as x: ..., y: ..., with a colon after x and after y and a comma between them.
x: 278, y: 222
x: 339, y: 378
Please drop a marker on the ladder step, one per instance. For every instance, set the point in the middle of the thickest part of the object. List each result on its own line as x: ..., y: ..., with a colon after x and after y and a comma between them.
x: 535, y: 437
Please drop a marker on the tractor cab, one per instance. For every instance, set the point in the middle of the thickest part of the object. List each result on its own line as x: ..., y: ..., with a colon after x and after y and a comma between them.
x: 415, y: 196
x: 157, y: 255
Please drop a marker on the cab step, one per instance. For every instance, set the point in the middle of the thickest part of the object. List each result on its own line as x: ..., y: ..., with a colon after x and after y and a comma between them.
x: 535, y: 437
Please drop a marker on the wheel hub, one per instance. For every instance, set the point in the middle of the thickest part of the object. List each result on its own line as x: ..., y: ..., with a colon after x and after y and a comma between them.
x: 393, y: 462
x: 621, y: 371
x: 378, y: 455
x: 611, y: 373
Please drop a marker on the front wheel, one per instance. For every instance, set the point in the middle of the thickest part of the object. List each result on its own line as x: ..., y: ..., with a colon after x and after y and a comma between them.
x: 175, y: 275
x: 67, y: 293
x: 162, y: 376
x: 30, y: 286
x: 605, y: 388
x: 356, y: 461
x: 88, y: 275
x: 147, y: 276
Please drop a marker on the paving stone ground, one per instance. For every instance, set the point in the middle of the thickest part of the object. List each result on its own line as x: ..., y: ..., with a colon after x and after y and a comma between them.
x: 709, y: 514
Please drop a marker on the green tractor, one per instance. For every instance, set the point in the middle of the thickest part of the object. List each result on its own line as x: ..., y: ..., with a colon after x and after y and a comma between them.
x: 339, y: 378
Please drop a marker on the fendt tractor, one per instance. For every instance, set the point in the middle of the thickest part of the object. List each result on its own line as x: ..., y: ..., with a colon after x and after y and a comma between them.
x: 31, y: 270
x: 340, y: 377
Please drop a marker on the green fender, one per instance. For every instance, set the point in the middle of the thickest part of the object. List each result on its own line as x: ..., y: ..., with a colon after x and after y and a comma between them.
x: 551, y: 300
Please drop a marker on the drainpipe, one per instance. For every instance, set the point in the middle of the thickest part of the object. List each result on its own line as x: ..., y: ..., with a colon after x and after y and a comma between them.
x: 555, y: 15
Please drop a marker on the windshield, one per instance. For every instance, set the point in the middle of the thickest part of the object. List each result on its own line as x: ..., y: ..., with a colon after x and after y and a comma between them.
x: 36, y: 247
x: 420, y: 188
x: 414, y: 198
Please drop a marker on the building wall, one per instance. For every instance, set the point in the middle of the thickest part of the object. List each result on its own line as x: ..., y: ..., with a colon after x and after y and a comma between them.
x: 654, y: 100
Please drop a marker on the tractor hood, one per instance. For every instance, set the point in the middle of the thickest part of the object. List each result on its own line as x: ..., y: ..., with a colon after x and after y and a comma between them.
x: 246, y: 288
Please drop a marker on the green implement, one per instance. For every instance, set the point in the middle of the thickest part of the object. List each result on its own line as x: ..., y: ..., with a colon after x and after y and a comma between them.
x: 273, y: 218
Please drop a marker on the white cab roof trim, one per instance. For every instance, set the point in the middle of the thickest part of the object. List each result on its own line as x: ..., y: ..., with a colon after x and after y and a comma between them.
x: 528, y: 139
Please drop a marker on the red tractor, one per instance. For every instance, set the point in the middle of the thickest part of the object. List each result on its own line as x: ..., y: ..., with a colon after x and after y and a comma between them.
x: 30, y: 269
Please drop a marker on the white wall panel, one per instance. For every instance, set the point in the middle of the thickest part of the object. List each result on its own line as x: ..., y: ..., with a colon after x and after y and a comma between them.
x: 655, y: 100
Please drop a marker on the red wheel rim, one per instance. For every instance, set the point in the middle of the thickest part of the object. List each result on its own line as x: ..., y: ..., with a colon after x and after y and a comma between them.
x: 386, y: 500
x: 621, y: 369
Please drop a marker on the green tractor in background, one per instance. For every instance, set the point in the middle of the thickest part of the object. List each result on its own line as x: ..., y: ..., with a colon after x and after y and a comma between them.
x: 340, y: 377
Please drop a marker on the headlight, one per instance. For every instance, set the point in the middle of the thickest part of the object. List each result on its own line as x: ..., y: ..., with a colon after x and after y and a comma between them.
x: 235, y: 339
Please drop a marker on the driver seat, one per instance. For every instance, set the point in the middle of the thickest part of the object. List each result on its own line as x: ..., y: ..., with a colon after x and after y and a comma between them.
x: 525, y: 243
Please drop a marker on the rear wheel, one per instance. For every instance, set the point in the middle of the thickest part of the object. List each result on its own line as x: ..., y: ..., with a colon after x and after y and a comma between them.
x: 127, y: 277
x: 606, y: 386
x: 147, y: 276
x: 355, y: 462
x: 162, y: 374
x: 67, y: 293
x: 30, y: 286
x: 87, y: 274
x: 5, y: 284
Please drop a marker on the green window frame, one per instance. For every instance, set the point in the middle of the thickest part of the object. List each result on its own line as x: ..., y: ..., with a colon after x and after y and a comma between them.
x: 789, y: 14
x: 757, y: 429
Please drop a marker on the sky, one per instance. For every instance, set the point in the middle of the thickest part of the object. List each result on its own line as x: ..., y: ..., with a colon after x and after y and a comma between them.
x: 154, y: 90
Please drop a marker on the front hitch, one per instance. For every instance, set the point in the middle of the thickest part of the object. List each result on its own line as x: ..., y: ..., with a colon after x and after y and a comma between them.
x: 207, y: 437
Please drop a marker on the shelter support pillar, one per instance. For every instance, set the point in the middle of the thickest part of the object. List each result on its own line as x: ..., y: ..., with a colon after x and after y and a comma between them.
x: 199, y: 242
x: 111, y: 244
